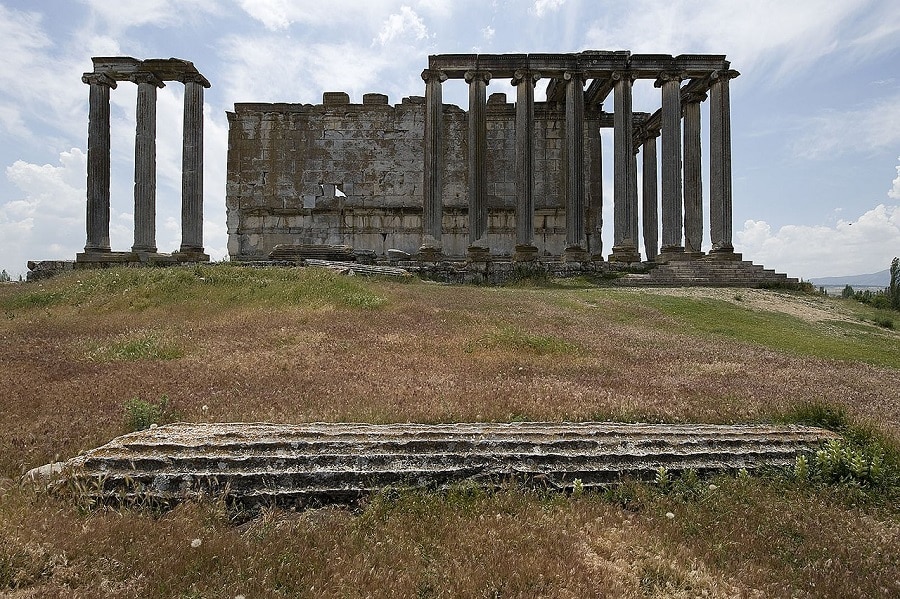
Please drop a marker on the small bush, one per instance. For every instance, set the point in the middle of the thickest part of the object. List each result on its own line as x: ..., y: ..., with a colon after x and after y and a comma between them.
x: 141, y: 414
x: 884, y: 322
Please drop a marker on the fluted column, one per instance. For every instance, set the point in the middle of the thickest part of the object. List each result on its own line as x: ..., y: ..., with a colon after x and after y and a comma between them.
x: 524, y: 82
x: 720, y: 218
x: 594, y: 183
x: 478, y: 81
x: 671, y: 163
x: 145, y: 163
x: 625, y: 178
x: 693, y: 177
x: 650, y: 213
x: 574, y: 160
x: 97, y: 220
x: 432, y: 209
x: 192, y: 166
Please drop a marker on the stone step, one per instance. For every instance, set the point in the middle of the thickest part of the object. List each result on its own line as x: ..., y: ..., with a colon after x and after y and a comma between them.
x: 333, y: 462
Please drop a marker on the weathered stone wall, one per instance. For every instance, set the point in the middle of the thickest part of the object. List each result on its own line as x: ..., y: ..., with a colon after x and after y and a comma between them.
x: 341, y: 173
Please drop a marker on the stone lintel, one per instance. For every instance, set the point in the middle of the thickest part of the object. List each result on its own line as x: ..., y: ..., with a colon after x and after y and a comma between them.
x: 121, y: 68
x: 594, y: 64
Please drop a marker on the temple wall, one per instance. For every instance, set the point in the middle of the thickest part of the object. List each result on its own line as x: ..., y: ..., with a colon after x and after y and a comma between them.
x: 340, y: 173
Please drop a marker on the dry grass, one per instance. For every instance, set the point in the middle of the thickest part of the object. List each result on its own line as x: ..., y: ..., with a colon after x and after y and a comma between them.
x: 301, y: 346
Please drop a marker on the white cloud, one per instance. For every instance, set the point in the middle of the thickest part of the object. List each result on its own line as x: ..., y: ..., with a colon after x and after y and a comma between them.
x: 894, y: 192
x: 488, y: 33
x: 542, y: 7
x: 280, y: 15
x: 767, y: 40
x: 48, y: 221
x: 123, y: 14
x: 858, y: 247
x: 399, y: 25
x: 832, y: 133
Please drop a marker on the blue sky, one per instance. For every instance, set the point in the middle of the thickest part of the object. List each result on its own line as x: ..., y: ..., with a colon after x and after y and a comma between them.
x: 815, y: 112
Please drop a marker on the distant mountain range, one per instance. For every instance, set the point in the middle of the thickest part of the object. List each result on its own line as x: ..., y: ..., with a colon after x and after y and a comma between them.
x: 876, y: 279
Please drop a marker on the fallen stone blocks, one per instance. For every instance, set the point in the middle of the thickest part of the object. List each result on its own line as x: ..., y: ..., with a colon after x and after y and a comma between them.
x: 318, y: 463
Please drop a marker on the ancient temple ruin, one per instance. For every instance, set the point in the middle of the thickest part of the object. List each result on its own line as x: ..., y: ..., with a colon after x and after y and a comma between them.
x: 516, y: 180
x: 149, y: 75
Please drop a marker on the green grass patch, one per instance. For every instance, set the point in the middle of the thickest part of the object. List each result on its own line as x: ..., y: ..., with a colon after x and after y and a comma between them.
x: 130, y: 347
x: 140, y: 414
x: 516, y: 340
x: 779, y: 331
x: 222, y: 285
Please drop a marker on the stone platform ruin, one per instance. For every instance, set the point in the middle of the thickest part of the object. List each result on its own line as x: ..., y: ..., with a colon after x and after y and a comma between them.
x: 325, y: 463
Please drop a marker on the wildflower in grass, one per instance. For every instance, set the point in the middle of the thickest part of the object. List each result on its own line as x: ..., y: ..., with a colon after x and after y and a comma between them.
x: 196, y: 543
x: 670, y: 515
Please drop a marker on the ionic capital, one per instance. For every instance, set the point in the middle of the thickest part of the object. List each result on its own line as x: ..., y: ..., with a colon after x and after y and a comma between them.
x: 667, y: 76
x: 694, y: 97
x: 623, y: 75
x: 471, y: 76
x: 522, y: 75
x: 195, y: 78
x: 429, y: 75
x: 724, y: 74
x: 146, y: 77
x: 99, y: 79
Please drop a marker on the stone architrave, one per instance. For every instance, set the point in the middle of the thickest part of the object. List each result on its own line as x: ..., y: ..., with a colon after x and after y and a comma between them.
x: 650, y: 218
x: 671, y: 163
x: 574, y: 161
x: 98, y: 162
x: 145, y: 163
x: 192, y: 166
x: 524, y: 82
x: 693, y: 177
x: 432, y: 210
x: 624, y: 176
x: 478, y: 81
x: 720, y: 199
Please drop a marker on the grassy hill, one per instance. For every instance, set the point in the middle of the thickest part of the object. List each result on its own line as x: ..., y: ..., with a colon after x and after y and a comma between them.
x: 224, y: 343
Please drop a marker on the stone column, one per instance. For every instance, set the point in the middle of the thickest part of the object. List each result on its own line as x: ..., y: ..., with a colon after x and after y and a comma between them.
x: 693, y: 177
x: 192, y: 166
x: 720, y: 218
x: 624, y: 191
x: 594, y: 183
x: 574, y: 163
x: 145, y: 163
x: 671, y: 165
x: 524, y: 82
x: 650, y: 196
x: 432, y: 209
x: 478, y: 81
x: 97, y: 220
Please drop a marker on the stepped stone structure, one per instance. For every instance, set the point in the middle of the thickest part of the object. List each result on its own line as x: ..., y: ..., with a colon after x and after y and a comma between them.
x: 516, y: 180
x: 321, y: 462
x: 149, y: 75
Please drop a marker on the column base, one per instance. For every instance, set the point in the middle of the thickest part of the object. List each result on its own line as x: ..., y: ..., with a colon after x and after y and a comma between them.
x: 144, y: 249
x: 191, y: 255
x: 525, y: 253
x: 626, y: 254
x: 725, y: 254
x: 103, y: 257
x: 478, y: 253
x: 575, y: 253
x: 673, y: 253
x: 428, y: 253
x: 96, y: 249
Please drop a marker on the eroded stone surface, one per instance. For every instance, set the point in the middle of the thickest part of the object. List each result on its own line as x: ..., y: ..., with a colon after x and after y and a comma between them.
x: 339, y: 462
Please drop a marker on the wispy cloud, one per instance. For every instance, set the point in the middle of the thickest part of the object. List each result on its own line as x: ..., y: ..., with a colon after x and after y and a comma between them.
x: 863, y: 129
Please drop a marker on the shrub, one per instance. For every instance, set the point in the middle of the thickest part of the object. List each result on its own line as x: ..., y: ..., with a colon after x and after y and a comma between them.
x: 848, y: 292
x: 894, y: 288
x: 141, y: 414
